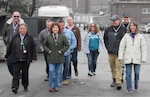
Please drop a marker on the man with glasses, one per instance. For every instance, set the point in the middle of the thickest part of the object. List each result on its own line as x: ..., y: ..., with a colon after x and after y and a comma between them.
x: 10, y: 30
x: 126, y: 23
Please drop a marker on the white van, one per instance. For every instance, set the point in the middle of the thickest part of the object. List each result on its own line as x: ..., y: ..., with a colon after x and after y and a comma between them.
x: 55, y: 11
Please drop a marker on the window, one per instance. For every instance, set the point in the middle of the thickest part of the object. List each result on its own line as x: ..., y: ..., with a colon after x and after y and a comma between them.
x: 146, y: 11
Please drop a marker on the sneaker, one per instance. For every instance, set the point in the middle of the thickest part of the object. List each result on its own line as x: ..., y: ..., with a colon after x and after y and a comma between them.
x: 90, y: 73
x: 65, y: 82
x: 14, y: 90
x: 56, y: 90
x: 94, y: 73
x: 118, y: 86
x: 129, y: 91
x: 51, y: 90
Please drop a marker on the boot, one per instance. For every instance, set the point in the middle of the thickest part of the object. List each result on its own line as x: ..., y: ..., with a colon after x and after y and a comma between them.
x: 113, y: 84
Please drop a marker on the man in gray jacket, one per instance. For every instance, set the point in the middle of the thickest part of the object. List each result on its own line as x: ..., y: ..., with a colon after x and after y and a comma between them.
x: 43, y: 34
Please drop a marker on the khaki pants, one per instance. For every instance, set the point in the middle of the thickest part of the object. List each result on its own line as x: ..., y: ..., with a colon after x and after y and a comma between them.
x: 116, y: 68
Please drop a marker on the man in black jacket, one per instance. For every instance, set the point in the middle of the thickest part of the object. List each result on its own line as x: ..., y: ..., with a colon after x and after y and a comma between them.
x: 112, y: 38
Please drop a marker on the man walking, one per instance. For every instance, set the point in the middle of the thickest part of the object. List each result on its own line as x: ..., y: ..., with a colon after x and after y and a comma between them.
x: 72, y: 42
x: 43, y: 34
x: 10, y: 30
x: 112, y: 38
x: 74, y: 54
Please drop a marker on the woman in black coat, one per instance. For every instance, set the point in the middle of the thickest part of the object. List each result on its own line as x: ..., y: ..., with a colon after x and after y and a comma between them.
x: 22, y: 52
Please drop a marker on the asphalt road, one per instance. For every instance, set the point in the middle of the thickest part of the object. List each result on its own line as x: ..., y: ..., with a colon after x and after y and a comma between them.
x: 81, y: 86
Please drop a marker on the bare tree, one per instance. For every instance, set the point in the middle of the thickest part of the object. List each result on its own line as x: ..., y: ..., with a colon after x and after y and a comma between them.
x: 26, y: 7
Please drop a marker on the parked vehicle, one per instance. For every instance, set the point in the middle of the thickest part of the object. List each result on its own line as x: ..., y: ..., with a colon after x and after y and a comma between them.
x: 145, y: 28
x: 142, y: 28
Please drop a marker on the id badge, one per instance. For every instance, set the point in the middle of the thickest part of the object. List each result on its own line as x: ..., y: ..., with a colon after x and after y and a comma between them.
x: 24, y: 51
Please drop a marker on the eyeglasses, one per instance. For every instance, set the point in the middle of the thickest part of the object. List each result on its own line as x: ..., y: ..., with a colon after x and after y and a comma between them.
x: 16, y: 16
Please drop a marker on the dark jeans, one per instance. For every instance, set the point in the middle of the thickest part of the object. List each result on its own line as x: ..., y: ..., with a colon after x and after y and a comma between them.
x: 74, y: 61
x: 23, y: 67
x: 47, y: 65
x: 10, y: 67
x: 92, y: 60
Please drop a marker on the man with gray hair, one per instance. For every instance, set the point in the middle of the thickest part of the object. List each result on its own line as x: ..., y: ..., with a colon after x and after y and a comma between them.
x: 74, y: 54
x: 43, y: 34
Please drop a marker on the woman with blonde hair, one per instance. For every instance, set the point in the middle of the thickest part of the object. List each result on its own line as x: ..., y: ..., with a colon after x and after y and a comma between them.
x: 133, y: 52
x: 92, y: 45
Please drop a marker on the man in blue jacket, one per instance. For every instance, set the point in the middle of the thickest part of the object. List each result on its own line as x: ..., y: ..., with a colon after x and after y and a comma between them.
x: 72, y: 42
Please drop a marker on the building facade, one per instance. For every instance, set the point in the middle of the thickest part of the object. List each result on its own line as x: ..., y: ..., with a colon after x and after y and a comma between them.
x: 139, y: 9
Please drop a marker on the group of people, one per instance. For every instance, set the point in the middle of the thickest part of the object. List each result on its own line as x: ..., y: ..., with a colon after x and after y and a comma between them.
x: 60, y: 44
x: 126, y: 48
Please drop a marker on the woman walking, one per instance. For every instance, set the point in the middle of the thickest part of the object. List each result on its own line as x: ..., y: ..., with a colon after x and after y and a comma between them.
x: 56, y: 44
x: 133, y: 52
x: 21, y: 52
x: 92, y: 45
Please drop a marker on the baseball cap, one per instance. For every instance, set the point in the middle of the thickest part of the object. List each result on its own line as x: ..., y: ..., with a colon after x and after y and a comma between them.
x: 126, y: 15
x: 115, y: 17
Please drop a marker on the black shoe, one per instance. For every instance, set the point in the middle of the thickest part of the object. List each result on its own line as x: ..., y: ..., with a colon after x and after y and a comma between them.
x: 25, y: 89
x: 76, y: 73
x: 46, y: 79
x: 14, y: 90
x: 118, y: 86
x: 135, y: 87
x: 122, y: 80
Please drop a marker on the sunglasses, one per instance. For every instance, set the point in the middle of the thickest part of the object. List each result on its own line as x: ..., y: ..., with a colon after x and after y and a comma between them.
x: 16, y: 16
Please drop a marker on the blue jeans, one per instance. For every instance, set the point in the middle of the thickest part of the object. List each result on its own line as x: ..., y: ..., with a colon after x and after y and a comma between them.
x: 129, y: 75
x: 92, y: 60
x: 55, y: 75
x: 66, y: 67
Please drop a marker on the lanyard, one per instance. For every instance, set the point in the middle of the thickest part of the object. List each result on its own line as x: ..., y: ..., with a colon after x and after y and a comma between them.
x: 116, y: 30
x: 22, y: 44
x: 14, y: 27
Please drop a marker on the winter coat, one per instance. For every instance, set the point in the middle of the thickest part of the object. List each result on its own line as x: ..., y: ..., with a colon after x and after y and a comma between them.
x: 86, y: 41
x: 15, y: 53
x: 132, y: 50
x: 52, y: 46
x: 8, y: 31
x: 112, y: 39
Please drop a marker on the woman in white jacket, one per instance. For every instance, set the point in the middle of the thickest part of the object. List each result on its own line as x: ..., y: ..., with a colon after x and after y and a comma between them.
x: 92, y: 45
x: 133, y: 52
